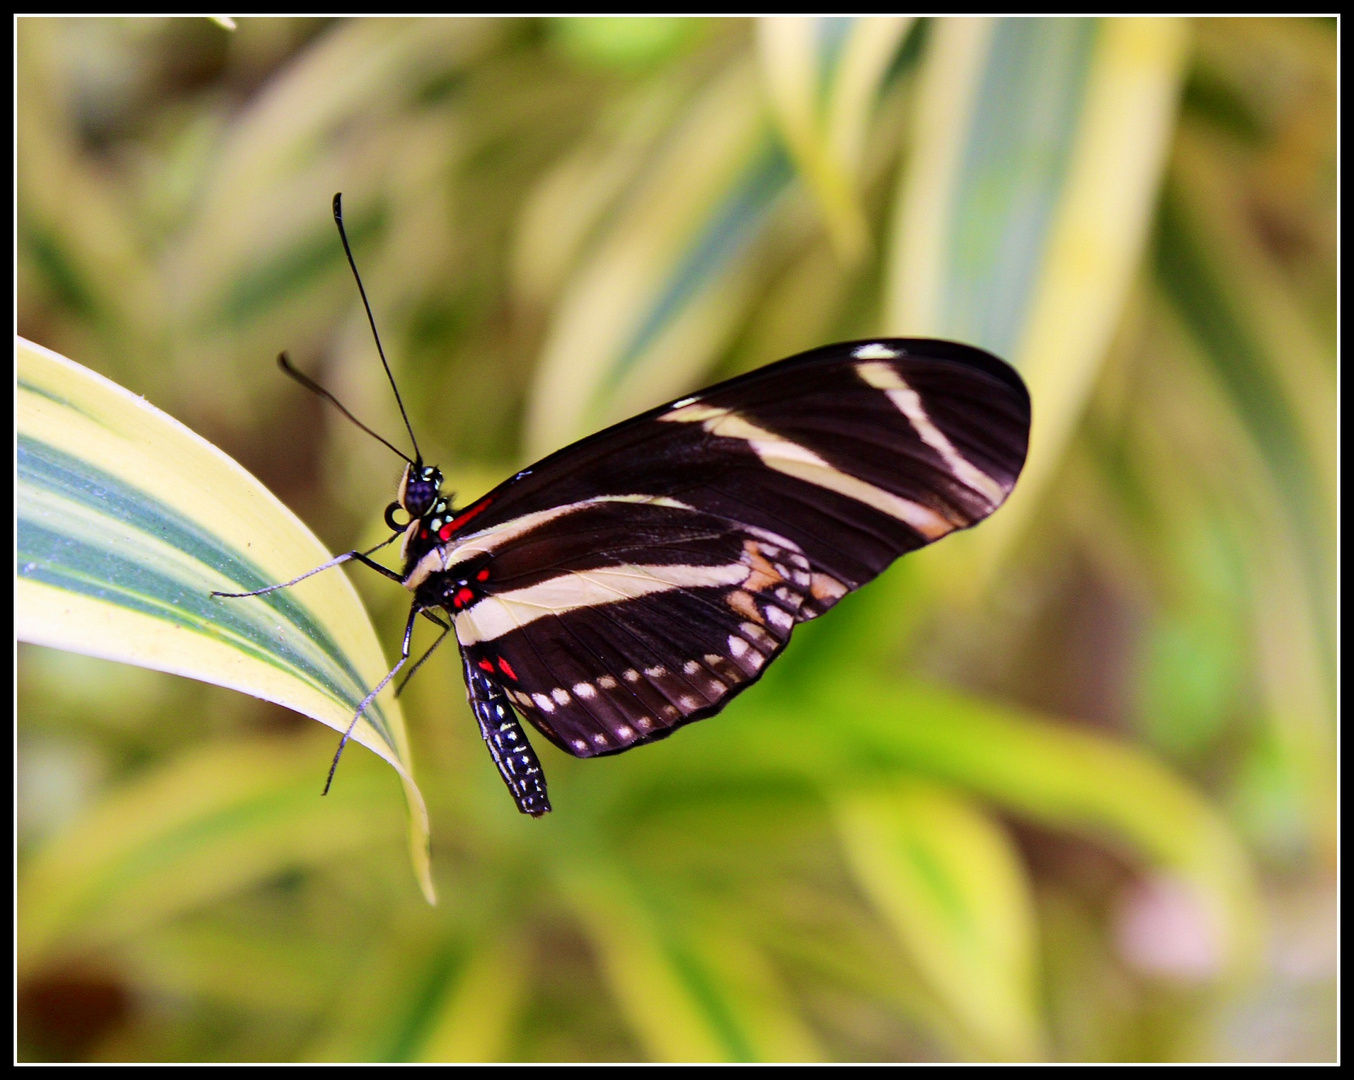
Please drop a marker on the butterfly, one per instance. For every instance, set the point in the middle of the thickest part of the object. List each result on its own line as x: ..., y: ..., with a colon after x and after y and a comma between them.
x: 640, y: 579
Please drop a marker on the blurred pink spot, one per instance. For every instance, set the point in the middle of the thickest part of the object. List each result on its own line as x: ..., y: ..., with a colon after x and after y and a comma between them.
x: 1162, y: 929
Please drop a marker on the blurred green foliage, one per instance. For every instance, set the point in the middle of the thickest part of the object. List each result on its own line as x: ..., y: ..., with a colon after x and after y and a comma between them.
x: 1062, y: 788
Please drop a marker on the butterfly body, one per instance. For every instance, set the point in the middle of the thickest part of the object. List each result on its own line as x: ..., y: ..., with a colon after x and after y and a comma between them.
x: 639, y: 579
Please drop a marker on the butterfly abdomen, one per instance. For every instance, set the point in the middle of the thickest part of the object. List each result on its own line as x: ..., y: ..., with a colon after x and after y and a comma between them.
x: 508, y: 746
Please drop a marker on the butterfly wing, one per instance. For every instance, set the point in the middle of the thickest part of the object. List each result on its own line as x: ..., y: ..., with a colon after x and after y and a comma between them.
x: 638, y: 579
x: 626, y: 619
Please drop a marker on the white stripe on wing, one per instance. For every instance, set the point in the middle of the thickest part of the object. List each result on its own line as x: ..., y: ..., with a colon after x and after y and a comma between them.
x: 494, y: 616
x: 884, y: 377
x: 792, y: 459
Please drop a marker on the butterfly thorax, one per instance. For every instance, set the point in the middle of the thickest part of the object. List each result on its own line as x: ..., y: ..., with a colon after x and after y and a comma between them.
x: 433, y: 523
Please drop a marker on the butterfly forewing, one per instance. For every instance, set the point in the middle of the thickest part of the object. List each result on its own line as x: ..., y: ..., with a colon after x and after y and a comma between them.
x: 637, y: 580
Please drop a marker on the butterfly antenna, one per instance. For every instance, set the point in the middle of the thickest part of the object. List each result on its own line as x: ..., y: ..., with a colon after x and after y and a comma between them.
x: 338, y: 220
x: 316, y: 388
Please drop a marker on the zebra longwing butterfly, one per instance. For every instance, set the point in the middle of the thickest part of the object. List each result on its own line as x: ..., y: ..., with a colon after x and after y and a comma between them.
x: 639, y: 579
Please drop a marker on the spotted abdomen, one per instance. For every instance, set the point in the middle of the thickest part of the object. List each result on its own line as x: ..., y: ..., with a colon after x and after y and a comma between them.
x: 507, y: 742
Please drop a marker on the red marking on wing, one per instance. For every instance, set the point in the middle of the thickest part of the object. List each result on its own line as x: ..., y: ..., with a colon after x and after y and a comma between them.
x: 506, y: 669
x: 463, y: 596
x: 483, y: 575
x: 487, y: 665
x: 457, y: 522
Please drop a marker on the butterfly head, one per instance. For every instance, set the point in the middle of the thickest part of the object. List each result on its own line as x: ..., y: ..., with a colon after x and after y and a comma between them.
x: 420, y: 488
x: 420, y: 496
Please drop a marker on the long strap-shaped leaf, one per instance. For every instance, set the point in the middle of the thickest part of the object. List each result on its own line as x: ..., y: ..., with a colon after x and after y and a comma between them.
x: 126, y: 523
x: 1027, y: 202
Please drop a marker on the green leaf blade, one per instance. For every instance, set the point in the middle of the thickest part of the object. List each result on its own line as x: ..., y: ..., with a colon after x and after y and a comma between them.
x: 127, y: 522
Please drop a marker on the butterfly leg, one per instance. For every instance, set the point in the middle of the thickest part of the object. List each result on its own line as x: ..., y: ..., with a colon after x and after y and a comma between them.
x: 507, y: 742
x: 446, y: 629
x: 404, y: 655
x: 359, y: 556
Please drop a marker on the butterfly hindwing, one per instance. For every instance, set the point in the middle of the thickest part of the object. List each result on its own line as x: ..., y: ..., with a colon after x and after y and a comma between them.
x: 632, y: 619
